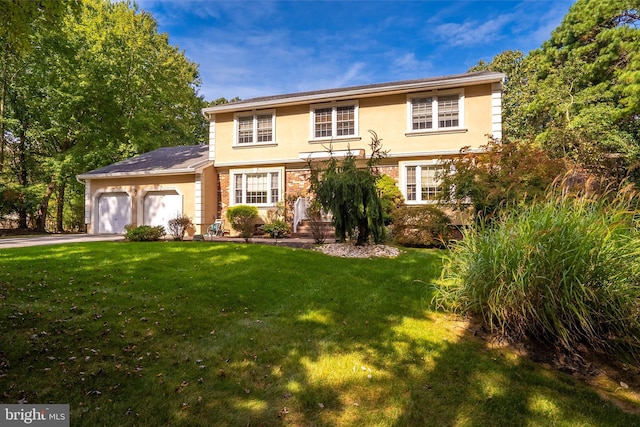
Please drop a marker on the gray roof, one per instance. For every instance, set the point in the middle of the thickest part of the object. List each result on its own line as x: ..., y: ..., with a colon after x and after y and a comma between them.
x: 404, y: 86
x: 166, y: 160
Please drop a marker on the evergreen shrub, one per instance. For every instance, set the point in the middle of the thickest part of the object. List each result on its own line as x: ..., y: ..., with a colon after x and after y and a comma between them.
x: 243, y: 219
x: 279, y: 227
x: 390, y: 196
x: 144, y: 233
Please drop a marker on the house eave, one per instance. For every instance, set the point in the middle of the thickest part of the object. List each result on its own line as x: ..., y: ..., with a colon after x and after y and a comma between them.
x: 356, y: 92
x: 138, y: 174
x: 319, y: 156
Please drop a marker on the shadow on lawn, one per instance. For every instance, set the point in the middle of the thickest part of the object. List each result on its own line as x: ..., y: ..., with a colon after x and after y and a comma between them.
x: 369, y: 361
x: 297, y: 338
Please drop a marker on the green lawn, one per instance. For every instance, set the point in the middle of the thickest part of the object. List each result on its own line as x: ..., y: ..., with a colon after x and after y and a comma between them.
x: 215, y: 334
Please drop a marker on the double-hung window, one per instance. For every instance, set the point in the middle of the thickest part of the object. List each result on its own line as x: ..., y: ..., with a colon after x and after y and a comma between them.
x: 435, y: 111
x: 255, y: 128
x: 421, y: 182
x: 334, y: 121
x: 259, y: 188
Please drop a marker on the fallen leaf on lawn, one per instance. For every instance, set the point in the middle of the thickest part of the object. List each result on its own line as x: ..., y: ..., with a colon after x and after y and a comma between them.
x: 321, y: 405
x: 283, y: 411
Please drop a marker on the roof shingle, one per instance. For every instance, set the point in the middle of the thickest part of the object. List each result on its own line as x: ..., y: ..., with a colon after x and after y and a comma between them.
x: 165, y: 159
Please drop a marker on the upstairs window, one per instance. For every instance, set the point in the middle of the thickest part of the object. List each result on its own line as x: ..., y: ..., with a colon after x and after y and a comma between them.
x: 435, y: 112
x: 323, y: 123
x: 345, y: 121
x: 255, y: 128
x: 422, y: 113
x: 334, y: 121
x: 448, y: 111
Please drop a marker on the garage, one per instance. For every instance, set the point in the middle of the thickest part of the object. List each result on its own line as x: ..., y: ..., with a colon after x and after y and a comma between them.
x: 161, y: 206
x: 114, y: 212
x: 154, y: 188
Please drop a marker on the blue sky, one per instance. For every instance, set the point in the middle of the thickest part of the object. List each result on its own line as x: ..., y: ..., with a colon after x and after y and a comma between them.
x: 260, y: 48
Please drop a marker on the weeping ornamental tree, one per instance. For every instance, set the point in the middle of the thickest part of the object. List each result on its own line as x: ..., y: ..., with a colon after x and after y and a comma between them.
x: 349, y: 193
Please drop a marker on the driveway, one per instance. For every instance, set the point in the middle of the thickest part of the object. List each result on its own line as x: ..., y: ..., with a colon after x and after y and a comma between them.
x: 54, y: 239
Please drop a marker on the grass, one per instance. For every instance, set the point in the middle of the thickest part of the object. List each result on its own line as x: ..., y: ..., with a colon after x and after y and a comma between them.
x: 564, y: 270
x: 200, y: 334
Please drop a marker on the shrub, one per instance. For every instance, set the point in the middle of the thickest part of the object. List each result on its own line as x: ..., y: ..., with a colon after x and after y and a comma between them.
x: 276, y: 221
x: 421, y: 226
x: 179, y: 225
x: 243, y: 219
x: 500, y: 175
x: 144, y: 233
x: 564, y: 271
x: 390, y: 196
x: 277, y: 226
x: 317, y: 222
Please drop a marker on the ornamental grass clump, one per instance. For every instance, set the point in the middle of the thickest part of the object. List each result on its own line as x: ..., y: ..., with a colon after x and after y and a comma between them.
x: 565, y: 271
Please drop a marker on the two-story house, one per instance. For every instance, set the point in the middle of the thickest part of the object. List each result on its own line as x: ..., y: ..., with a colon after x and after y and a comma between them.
x: 259, y: 149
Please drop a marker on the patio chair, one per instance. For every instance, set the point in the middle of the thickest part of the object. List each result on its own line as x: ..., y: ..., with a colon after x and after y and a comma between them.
x: 216, y: 229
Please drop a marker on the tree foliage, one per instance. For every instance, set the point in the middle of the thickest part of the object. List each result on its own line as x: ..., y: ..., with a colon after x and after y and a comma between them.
x: 349, y: 192
x: 101, y: 86
x: 578, y: 95
x: 500, y: 175
x: 390, y: 196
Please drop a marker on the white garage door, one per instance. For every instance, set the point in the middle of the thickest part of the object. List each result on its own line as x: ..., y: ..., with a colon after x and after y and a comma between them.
x: 114, y: 212
x: 162, y: 206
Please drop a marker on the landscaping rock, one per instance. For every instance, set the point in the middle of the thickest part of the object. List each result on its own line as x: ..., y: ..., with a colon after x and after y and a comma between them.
x: 347, y: 250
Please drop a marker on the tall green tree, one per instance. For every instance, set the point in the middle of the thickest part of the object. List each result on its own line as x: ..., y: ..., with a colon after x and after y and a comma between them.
x: 20, y: 19
x: 515, y: 92
x: 349, y: 192
x: 578, y: 95
x: 102, y: 86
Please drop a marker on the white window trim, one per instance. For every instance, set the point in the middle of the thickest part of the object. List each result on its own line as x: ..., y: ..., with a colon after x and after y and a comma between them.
x: 254, y: 114
x: 402, y: 166
x: 334, y: 121
x: 270, y: 203
x: 434, y: 111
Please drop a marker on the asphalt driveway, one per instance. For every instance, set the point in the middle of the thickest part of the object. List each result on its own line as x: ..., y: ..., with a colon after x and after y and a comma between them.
x: 53, y: 239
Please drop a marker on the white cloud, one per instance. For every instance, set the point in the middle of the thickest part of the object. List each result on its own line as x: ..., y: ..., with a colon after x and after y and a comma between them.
x: 408, y: 65
x: 260, y: 48
x: 474, y: 32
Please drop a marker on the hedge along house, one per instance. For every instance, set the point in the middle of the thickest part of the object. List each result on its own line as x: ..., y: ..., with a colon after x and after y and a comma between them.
x: 259, y: 148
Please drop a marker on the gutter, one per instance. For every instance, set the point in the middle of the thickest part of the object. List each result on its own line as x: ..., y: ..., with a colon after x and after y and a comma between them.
x: 136, y: 174
x: 350, y: 93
